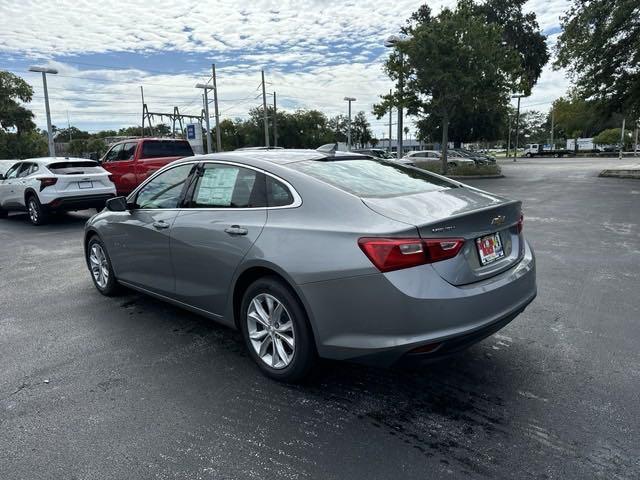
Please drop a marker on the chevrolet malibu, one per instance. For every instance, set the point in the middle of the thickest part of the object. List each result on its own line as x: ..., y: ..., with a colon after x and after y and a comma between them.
x: 316, y: 253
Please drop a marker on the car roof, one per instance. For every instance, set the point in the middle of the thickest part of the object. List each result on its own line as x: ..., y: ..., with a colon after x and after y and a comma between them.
x: 49, y: 160
x: 280, y: 156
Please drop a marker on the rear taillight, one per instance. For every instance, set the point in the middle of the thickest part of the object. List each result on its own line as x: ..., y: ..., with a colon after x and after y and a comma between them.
x: 47, y: 182
x: 110, y: 178
x: 389, y: 254
x: 521, y: 223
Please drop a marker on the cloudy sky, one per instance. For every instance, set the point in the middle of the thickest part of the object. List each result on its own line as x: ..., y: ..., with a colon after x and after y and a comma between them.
x: 314, y: 52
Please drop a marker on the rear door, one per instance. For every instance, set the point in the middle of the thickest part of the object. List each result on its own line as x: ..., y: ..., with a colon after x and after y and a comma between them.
x: 140, y: 241
x: 224, y: 216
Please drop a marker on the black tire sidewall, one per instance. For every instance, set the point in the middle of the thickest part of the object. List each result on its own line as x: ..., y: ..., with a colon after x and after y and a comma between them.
x: 42, y: 215
x: 112, y: 284
x: 305, y: 352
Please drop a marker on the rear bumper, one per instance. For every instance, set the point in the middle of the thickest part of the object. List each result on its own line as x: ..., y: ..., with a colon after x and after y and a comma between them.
x: 381, y: 318
x: 79, y: 202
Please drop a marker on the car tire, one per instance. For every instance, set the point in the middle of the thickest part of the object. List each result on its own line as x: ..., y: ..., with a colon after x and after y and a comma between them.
x: 100, y: 268
x: 35, y: 211
x: 3, y: 213
x: 286, y: 334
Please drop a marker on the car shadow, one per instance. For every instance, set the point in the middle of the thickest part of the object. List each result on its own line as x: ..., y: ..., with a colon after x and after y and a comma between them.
x: 435, y: 408
x: 58, y: 221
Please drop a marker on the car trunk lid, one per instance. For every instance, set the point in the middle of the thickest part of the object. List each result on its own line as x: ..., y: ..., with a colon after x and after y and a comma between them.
x: 461, y: 212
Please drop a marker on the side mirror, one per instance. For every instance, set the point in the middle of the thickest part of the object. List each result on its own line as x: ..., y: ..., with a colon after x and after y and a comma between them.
x: 1, y: 176
x: 117, y: 204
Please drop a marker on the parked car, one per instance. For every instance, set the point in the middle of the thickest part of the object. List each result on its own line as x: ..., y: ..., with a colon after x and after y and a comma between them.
x: 42, y: 186
x: 312, y: 254
x: 130, y: 162
x: 375, y: 152
x: 6, y: 165
x: 453, y: 160
x: 477, y: 157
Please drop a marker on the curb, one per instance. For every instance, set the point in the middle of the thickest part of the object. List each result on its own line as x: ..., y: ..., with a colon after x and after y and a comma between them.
x: 635, y: 174
x: 474, y: 177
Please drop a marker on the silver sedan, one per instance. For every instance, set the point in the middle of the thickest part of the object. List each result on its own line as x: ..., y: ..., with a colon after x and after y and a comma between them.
x: 319, y: 254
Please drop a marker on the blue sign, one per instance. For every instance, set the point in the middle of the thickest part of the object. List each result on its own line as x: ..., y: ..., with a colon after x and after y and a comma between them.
x: 191, y: 132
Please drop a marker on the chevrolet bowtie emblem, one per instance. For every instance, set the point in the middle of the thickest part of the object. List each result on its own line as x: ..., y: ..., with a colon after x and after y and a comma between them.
x: 499, y: 220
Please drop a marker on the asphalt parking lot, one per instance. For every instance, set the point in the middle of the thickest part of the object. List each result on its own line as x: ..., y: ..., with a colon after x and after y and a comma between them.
x: 94, y: 387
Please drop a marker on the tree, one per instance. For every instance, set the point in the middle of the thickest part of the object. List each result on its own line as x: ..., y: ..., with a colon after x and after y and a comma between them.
x: 96, y: 146
x: 77, y: 147
x: 361, y: 133
x: 612, y: 136
x: 454, y: 62
x: 535, y: 126
x: 600, y: 45
x: 63, y: 135
x: 14, y: 89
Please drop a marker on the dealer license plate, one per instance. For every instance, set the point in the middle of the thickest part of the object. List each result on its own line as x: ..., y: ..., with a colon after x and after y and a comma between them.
x: 490, y: 248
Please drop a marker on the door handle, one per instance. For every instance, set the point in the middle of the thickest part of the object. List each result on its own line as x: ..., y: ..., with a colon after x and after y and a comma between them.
x: 236, y: 230
x: 160, y: 224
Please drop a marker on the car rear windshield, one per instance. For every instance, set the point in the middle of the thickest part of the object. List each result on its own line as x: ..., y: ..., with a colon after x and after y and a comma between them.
x: 74, y: 168
x: 370, y: 178
x: 156, y: 149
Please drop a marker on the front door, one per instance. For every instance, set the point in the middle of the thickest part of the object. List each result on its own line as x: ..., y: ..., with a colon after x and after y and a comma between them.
x: 224, y: 215
x: 7, y: 187
x: 140, y: 248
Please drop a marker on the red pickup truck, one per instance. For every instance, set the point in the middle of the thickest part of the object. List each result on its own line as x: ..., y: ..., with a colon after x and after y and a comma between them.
x: 130, y: 162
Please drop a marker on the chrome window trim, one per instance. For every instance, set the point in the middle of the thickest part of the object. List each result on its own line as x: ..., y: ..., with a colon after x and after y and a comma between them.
x: 297, y: 199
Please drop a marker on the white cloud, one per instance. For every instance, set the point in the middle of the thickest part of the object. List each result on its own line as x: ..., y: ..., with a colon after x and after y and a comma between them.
x: 314, y: 52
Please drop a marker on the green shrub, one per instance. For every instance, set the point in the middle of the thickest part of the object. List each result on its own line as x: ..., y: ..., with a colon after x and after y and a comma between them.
x: 461, y: 170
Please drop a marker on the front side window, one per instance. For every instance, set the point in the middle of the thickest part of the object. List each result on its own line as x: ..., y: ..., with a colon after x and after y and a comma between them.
x: 13, y: 171
x: 112, y: 155
x: 228, y: 186
x: 164, y: 190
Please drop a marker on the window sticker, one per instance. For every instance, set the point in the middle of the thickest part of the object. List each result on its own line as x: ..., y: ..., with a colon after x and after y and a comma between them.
x: 216, y: 187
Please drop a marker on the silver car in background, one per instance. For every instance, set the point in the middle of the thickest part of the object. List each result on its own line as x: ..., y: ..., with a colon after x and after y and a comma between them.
x: 312, y: 253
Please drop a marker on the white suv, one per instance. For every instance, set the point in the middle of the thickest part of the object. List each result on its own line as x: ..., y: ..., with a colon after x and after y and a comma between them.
x: 45, y: 185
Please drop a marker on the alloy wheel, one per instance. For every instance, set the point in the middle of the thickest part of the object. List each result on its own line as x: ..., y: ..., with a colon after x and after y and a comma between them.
x: 33, y: 211
x: 99, y: 265
x: 271, y: 331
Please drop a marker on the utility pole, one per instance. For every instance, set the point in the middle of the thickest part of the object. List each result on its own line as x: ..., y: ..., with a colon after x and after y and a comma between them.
x: 275, y: 122
x: 215, y: 106
x: 390, y: 120
x: 400, y: 100
x: 349, y: 99
x: 206, y: 88
x: 515, y: 150
x: 143, y: 107
x: 553, y: 147
x: 264, y: 107
x: 622, y: 139
x: 635, y: 148
x: 69, y: 127
x: 509, y: 138
x: 44, y: 71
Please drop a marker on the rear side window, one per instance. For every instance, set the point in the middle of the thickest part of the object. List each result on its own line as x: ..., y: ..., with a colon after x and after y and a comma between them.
x: 228, y: 186
x: 278, y: 195
x: 370, y: 178
x: 157, y: 149
x: 74, y: 168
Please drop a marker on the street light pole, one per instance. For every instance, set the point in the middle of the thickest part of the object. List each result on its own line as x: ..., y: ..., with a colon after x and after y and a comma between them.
x: 391, y: 42
x: 349, y: 99
x: 44, y: 71
x: 215, y: 109
x: 206, y: 88
x: 264, y: 113
x: 622, y: 139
